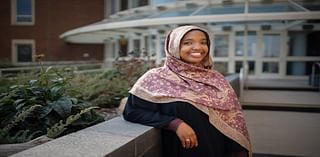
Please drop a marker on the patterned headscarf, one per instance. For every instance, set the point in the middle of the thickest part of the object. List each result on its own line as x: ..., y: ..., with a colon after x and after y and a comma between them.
x: 204, y: 88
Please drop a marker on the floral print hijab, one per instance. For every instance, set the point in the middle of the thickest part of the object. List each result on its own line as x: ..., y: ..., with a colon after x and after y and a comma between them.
x: 204, y: 88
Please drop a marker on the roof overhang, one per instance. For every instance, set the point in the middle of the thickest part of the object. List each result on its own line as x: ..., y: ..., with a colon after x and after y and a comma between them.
x: 97, y: 33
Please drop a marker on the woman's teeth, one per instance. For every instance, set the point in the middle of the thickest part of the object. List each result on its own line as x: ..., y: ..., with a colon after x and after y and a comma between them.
x: 195, y: 54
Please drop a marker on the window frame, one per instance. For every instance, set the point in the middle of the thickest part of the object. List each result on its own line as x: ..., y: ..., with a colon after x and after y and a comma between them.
x: 14, y: 20
x: 14, y: 54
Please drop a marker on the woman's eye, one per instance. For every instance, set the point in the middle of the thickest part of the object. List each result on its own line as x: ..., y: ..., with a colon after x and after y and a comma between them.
x: 204, y: 43
x: 187, y: 43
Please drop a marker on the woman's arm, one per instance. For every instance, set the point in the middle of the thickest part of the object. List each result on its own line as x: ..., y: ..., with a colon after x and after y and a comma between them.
x: 144, y: 112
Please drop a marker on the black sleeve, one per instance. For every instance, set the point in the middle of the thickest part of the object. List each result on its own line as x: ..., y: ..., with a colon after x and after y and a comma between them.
x: 144, y: 112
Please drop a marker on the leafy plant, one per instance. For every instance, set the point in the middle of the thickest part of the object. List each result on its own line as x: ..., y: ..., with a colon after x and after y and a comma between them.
x: 108, y: 88
x: 30, y: 109
x: 61, y: 126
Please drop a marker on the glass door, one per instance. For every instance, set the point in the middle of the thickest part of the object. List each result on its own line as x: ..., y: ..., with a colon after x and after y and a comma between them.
x: 271, y: 50
x: 221, y: 51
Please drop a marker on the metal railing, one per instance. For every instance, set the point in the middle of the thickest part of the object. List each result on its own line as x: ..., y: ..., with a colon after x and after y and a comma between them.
x: 243, y: 78
x: 313, y: 75
x: 12, y: 71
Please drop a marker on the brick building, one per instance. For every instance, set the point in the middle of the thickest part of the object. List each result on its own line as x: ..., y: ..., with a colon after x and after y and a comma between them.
x: 31, y: 27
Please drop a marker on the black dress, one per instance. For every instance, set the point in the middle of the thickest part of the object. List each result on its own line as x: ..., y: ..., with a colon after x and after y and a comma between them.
x: 211, y: 142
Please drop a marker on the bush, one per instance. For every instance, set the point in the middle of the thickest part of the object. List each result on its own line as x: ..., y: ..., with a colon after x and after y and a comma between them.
x: 108, y: 88
x: 103, y: 89
x: 46, y: 105
x: 5, y: 84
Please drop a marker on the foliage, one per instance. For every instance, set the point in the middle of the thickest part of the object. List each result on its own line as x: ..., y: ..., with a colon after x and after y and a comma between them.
x: 108, y: 88
x: 5, y: 84
x: 132, y: 69
x: 43, y: 105
x: 5, y: 63
x: 60, y: 127
x: 19, y: 78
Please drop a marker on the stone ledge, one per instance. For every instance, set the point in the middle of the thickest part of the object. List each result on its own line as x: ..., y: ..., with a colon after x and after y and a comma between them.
x: 113, y: 138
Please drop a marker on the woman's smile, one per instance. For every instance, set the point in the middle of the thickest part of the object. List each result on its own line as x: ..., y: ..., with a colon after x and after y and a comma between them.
x: 196, y: 54
x: 194, y: 47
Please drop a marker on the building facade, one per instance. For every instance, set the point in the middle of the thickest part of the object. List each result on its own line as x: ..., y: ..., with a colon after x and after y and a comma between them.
x: 273, y: 38
x: 31, y: 27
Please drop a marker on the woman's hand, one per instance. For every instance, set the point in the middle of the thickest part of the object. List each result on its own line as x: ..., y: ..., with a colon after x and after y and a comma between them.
x: 187, y: 136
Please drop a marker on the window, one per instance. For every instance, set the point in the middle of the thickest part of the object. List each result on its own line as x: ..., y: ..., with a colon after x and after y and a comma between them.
x: 304, y: 43
x: 136, y: 48
x: 156, y: 2
x: 251, y: 43
x: 222, y: 67
x: 22, y: 51
x: 123, y: 5
x: 114, y: 6
x: 123, y: 45
x: 22, y: 12
x: 251, y: 67
x: 163, y: 53
x: 138, y: 3
x: 238, y: 66
x: 300, y: 68
x: 250, y: 64
x: 221, y: 43
x: 153, y: 45
x: 272, y: 7
x: 222, y: 9
x: 143, y: 2
x: 271, y: 45
x: 270, y: 67
x: 111, y: 7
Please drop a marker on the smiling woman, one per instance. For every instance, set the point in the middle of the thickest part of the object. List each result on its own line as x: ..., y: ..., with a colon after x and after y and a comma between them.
x: 194, y: 105
x: 194, y: 47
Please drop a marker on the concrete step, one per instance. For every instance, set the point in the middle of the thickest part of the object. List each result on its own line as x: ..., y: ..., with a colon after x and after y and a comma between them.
x: 280, y: 84
x: 276, y: 98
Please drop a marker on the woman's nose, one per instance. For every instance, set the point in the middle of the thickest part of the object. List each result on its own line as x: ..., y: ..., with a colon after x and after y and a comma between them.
x: 196, y: 46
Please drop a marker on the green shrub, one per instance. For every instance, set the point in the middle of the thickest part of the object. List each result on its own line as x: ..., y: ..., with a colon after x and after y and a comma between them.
x: 5, y: 84
x: 106, y: 89
x: 46, y: 105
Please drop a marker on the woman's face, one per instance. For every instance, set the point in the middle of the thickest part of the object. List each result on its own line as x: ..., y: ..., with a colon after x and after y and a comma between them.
x: 194, y: 47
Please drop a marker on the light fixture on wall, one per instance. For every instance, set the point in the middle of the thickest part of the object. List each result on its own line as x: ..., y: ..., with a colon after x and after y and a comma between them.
x: 226, y: 28
x: 161, y: 31
x: 191, y: 5
x: 161, y: 8
x: 227, y: 2
x: 266, y: 27
x: 307, y: 27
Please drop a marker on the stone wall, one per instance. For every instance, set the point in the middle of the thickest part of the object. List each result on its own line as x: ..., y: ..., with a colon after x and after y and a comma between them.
x: 113, y: 138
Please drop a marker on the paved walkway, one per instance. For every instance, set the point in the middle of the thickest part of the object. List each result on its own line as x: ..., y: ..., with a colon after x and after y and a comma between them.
x: 281, y: 98
x: 284, y: 133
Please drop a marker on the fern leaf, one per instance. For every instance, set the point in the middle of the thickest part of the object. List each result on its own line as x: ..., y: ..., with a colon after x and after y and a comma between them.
x: 19, y: 118
x: 19, y: 137
x: 58, y: 128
